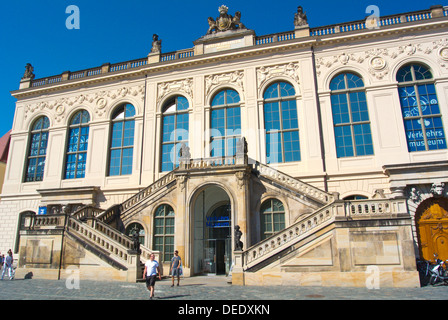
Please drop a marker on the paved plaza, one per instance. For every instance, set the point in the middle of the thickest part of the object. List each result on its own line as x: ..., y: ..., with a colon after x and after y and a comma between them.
x: 201, y: 288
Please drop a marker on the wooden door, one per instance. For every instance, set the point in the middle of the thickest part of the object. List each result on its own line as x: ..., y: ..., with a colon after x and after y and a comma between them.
x: 432, y: 227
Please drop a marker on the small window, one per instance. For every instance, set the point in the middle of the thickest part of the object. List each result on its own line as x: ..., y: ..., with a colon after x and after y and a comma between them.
x: 272, y: 217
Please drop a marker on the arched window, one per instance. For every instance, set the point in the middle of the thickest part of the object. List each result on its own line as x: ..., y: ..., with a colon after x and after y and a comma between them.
x: 420, y: 109
x: 350, y: 116
x: 281, y: 123
x: 164, y: 231
x: 272, y: 217
x: 138, y: 229
x: 225, y: 123
x: 174, y: 131
x: 38, y: 150
x: 122, y: 141
x: 78, y: 137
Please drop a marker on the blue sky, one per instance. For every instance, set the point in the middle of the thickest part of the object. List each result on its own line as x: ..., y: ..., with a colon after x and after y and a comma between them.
x: 113, y: 31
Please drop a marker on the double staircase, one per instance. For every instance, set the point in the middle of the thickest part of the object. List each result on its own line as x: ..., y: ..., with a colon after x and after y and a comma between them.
x: 98, y: 230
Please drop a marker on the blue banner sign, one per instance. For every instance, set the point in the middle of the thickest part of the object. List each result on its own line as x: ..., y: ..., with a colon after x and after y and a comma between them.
x: 218, y: 222
x: 42, y: 211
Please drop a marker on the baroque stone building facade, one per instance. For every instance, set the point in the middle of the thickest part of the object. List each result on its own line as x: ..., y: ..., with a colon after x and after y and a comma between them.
x: 310, y: 157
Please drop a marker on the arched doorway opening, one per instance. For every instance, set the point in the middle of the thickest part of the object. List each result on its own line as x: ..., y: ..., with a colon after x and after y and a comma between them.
x: 432, y: 228
x: 212, y: 250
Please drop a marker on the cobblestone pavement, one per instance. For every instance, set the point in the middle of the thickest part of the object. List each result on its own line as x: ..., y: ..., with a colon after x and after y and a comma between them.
x: 201, y: 288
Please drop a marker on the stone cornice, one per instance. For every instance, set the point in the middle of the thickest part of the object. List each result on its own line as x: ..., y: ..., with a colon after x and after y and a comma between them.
x: 235, y: 54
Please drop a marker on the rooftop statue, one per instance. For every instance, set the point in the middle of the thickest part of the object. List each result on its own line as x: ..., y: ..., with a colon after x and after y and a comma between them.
x: 225, y: 21
x: 28, y: 72
x: 156, y: 44
x: 300, y: 18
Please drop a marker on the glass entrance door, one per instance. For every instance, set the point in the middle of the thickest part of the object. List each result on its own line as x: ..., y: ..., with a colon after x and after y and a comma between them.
x: 217, y: 256
x: 209, y: 264
x: 217, y: 252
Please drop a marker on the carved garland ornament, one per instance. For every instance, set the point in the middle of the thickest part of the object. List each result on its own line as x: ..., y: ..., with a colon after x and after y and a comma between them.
x: 377, y: 58
x: 164, y: 88
x: 290, y: 70
x: 235, y: 78
x: 98, y: 99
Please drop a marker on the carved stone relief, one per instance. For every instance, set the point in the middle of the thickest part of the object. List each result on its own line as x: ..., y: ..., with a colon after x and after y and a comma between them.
x: 235, y: 78
x: 290, y: 70
x: 378, y: 59
x: 99, y: 100
x: 164, y: 88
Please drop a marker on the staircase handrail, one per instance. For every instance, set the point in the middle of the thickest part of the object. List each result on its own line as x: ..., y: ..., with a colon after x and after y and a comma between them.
x: 295, y: 184
x: 116, y: 250
x: 322, y: 217
x: 143, y: 194
x: 275, y: 243
x: 87, y: 212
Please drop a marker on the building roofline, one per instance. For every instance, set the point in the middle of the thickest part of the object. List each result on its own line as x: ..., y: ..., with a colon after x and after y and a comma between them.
x: 303, y: 37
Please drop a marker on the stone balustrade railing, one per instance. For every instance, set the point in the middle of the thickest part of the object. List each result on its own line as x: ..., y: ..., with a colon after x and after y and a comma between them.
x: 176, y: 55
x: 321, y: 218
x: 289, y: 182
x: 148, y: 191
x: 87, y: 212
x: 146, y: 252
x: 369, y: 208
x: 48, y: 221
x: 382, y: 21
x: 289, y: 235
x: 203, y: 163
x: 117, y: 251
x: 359, y: 25
x: 113, y: 234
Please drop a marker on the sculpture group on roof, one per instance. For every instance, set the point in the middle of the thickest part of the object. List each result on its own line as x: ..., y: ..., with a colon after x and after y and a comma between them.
x: 225, y: 21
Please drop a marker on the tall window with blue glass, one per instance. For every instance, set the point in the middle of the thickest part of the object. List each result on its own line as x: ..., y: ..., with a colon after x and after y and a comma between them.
x: 122, y: 141
x: 175, y: 128
x: 78, y: 138
x: 350, y: 116
x: 225, y: 123
x: 420, y: 109
x: 281, y: 123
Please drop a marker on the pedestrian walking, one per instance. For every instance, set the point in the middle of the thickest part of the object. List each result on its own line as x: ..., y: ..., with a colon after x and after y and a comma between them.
x: 176, y: 267
x: 7, y: 265
x: 150, y: 273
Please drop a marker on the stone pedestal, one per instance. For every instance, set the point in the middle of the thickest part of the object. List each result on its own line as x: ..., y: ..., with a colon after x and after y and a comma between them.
x: 302, y: 31
x: 227, y: 40
x: 238, y: 272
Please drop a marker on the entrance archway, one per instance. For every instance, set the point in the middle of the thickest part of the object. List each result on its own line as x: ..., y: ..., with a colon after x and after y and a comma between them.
x: 212, y: 237
x: 432, y: 228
